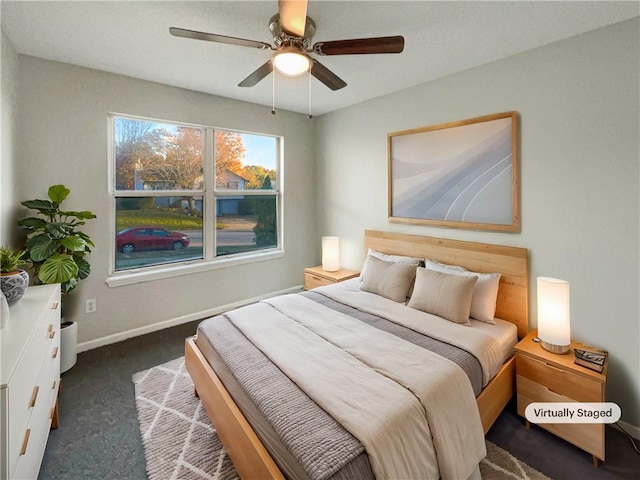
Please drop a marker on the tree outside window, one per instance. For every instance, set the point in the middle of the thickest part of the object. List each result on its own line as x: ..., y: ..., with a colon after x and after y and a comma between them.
x: 160, y: 180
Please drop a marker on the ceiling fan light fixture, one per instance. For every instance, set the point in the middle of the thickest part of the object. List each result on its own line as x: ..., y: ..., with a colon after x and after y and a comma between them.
x: 291, y: 62
x: 292, y: 33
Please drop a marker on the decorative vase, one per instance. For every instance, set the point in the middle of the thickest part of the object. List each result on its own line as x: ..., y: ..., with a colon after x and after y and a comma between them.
x: 14, y: 285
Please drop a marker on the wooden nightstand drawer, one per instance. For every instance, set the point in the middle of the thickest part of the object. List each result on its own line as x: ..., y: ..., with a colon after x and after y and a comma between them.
x: 587, y: 436
x: 535, y: 392
x: 317, y: 277
x: 313, y: 281
x: 558, y: 380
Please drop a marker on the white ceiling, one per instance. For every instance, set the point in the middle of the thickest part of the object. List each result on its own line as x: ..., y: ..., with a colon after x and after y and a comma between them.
x: 132, y: 38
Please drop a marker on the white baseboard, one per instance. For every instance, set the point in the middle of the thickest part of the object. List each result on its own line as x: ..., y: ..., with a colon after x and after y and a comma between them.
x: 630, y: 429
x: 135, y: 332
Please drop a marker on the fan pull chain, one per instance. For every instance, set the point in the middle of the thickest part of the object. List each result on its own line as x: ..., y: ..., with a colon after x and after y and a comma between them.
x: 310, y: 116
x: 273, y: 93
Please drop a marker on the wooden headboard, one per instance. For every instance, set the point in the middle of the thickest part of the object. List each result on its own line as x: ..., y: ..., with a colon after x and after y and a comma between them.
x: 511, y: 262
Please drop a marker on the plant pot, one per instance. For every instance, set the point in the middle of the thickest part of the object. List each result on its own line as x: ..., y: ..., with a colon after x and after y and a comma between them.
x: 14, y: 285
x: 68, y: 345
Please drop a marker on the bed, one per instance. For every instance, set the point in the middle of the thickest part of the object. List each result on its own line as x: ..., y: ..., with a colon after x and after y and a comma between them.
x: 238, y: 422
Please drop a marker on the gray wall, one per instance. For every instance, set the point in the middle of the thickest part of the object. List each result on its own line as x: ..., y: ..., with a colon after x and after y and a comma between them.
x: 62, y: 133
x: 8, y: 91
x: 578, y: 105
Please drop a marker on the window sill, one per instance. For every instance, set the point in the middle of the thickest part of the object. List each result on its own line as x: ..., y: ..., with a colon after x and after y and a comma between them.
x: 176, y: 270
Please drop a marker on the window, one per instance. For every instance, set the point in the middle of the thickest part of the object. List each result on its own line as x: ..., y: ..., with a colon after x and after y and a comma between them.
x: 187, y: 194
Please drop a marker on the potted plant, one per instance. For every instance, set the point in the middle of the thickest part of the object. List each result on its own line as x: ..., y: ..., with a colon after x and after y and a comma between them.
x: 13, y: 281
x: 57, y: 250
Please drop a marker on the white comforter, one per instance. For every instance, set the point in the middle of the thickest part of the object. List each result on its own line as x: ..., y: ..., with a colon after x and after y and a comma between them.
x: 413, y: 410
x: 482, y: 345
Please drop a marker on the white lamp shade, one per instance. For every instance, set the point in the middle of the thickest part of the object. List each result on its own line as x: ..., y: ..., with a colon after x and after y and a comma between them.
x: 554, y: 319
x: 330, y: 254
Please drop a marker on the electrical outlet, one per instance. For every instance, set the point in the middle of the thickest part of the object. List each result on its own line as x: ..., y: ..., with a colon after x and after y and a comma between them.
x: 90, y: 305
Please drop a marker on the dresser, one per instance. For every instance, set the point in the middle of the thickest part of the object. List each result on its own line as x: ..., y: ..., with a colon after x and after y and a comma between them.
x: 317, y: 277
x: 542, y: 376
x: 30, y: 378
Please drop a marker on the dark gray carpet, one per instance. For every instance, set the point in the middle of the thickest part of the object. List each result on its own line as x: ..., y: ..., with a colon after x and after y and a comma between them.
x: 99, y: 437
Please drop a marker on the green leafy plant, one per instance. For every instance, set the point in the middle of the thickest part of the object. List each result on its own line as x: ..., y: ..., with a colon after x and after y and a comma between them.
x: 56, y: 248
x: 10, y: 260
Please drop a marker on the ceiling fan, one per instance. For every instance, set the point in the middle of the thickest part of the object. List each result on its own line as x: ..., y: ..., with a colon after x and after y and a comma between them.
x: 292, y: 33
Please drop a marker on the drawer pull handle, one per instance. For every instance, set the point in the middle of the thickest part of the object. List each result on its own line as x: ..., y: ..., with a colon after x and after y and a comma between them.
x: 34, y: 396
x: 54, y: 306
x: 316, y: 278
x: 55, y: 352
x: 25, y: 442
x: 559, y: 370
x: 542, y: 362
x: 50, y: 328
x: 52, y: 334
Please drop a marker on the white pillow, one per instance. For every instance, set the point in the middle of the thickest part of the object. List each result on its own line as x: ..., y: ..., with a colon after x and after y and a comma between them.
x: 444, y: 265
x: 485, y: 292
x: 444, y: 294
x: 388, y: 258
x: 391, y: 280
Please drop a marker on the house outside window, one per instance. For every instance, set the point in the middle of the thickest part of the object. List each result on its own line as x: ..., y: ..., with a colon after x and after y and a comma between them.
x: 191, y: 195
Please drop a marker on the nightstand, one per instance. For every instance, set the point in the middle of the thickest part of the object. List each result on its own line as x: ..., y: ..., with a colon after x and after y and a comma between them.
x: 317, y: 277
x: 542, y: 376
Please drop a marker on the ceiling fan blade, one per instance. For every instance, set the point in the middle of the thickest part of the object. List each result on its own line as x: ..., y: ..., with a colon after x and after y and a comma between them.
x: 359, y: 46
x: 212, y: 37
x: 326, y: 76
x: 258, y: 75
x: 293, y: 16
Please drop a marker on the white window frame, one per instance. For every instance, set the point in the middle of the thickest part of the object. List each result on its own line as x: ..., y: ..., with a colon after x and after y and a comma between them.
x: 209, y: 193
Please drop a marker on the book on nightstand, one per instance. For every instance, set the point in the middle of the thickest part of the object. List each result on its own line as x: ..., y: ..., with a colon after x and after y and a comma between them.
x: 592, y: 358
x: 588, y: 364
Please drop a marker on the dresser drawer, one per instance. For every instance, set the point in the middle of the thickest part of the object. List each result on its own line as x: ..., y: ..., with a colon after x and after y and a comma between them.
x: 36, y: 433
x: 51, y: 363
x: 587, y: 436
x: 21, y: 401
x: 34, y: 438
x: 34, y: 386
x: 530, y: 392
x: 49, y: 378
x: 559, y: 381
x: 313, y: 281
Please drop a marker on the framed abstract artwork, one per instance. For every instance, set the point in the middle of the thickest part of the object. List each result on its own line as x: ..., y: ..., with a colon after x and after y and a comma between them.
x: 460, y: 174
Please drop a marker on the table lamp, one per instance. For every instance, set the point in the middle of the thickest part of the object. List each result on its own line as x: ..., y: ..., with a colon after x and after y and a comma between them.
x: 330, y: 254
x: 554, y: 328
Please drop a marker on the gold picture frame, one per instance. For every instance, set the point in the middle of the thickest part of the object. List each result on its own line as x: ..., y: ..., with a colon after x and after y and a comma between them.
x: 461, y: 174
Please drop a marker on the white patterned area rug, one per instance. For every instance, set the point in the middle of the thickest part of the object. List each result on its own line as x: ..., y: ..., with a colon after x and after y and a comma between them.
x: 180, y: 442
x: 178, y: 438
